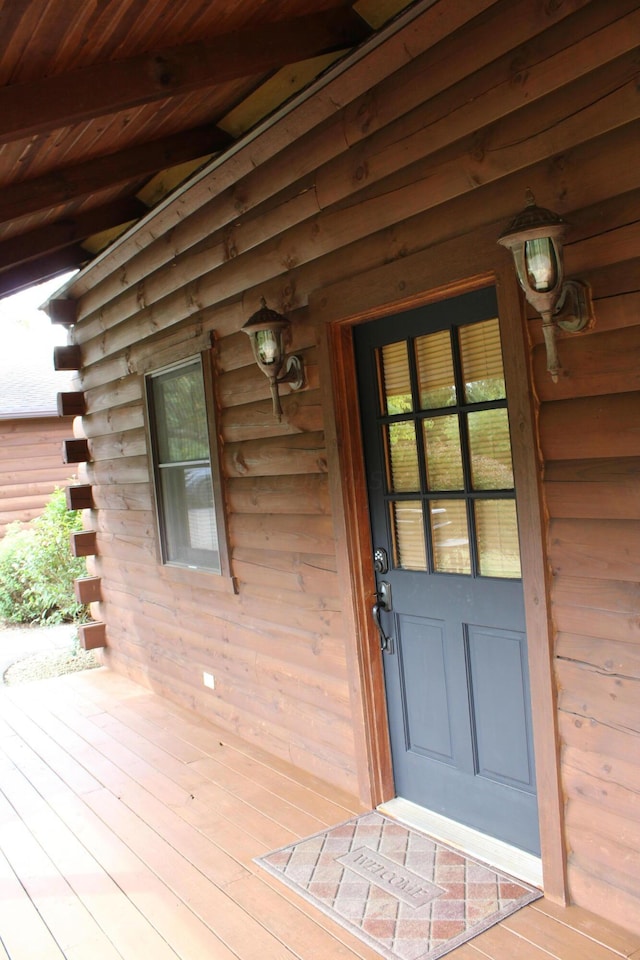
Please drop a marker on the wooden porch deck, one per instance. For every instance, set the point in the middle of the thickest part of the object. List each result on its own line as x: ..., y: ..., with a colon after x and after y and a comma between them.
x: 128, y: 828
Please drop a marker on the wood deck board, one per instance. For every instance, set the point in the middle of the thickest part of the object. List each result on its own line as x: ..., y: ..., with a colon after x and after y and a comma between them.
x: 114, y: 846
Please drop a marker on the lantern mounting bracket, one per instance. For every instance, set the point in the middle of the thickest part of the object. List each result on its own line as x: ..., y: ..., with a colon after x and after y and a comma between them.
x: 270, y: 334
x: 294, y: 372
x: 534, y: 238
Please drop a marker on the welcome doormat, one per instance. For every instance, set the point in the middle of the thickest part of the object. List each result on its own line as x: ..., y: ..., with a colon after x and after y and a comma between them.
x: 405, y: 894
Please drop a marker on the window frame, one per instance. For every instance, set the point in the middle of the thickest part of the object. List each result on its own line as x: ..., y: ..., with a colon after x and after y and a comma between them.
x: 205, y: 358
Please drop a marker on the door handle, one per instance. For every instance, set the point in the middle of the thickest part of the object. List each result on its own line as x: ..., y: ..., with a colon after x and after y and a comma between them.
x: 383, y: 602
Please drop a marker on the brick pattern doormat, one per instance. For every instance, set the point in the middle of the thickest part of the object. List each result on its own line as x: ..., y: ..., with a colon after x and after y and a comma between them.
x: 405, y: 894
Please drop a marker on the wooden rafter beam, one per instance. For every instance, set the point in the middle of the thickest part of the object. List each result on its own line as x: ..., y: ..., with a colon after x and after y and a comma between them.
x: 43, y: 268
x: 53, y: 102
x: 64, y: 233
x: 82, y: 179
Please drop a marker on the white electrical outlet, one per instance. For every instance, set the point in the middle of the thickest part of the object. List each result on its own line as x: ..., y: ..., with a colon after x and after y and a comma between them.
x: 209, y: 680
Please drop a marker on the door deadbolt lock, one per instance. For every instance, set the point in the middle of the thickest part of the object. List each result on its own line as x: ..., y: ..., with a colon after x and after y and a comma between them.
x: 380, y: 561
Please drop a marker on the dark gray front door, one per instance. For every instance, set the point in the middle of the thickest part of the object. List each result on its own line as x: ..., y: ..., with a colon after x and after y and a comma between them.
x: 443, y: 519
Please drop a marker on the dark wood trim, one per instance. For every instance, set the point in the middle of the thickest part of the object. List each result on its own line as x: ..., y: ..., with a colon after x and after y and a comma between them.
x: 67, y: 357
x: 27, y: 247
x: 75, y: 450
x: 83, y: 543
x: 132, y: 163
x: 347, y: 488
x: 215, y: 450
x: 92, y: 635
x: 105, y: 88
x: 87, y: 589
x: 62, y: 311
x: 24, y: 275
x: 72, y: 403
x: 527, y: 471
x: 80, y: 497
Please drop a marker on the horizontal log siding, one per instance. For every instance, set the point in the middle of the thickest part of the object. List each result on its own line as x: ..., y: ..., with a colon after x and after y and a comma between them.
x: 31, y: 466
x: 590, y: 438
x: 404, y: 188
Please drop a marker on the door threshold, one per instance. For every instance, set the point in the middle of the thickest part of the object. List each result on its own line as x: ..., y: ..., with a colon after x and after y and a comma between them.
x: 518, y: 863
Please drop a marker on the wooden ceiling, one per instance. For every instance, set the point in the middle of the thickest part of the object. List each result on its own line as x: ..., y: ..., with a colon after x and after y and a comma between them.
x: 107, y: 105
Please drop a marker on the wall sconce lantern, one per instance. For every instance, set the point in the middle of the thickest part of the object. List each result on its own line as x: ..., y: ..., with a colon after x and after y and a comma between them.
x: 270, y: 333
x: 534, y: 238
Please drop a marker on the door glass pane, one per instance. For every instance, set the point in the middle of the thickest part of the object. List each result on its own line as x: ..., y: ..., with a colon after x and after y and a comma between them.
x: 497, y: 537
x: 394, y: 378
x: 435, y: 370
x: 408, y: 535
x: 443, y: 453
x: 481, y: 357
x: 450, y: 536
x: 403, y: 457
x: 490, y: 448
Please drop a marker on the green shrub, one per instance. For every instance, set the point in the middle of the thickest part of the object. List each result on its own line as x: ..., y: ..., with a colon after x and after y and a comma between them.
x: 37, y: 569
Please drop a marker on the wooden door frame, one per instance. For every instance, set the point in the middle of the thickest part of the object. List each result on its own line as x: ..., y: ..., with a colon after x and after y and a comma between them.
x: 348, y: 490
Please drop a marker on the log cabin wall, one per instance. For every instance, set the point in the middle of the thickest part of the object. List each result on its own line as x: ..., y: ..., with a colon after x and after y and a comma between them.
x: 30, y: 466
x: 399, y: 180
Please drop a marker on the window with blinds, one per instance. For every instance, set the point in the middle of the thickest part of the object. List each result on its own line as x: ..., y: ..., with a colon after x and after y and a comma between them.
x: 179, y: 428
x: 450, y: 485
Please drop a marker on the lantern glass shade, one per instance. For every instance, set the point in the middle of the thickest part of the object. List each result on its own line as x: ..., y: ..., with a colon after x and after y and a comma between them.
x: 270, y: 334
x: 269, y: 346
x: 541, y: 264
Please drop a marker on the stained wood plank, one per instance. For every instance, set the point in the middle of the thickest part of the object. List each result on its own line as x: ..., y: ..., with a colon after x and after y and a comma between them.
x: 588, y: 693
x: 291, y: 926
x: 126, y: 927
x: 501, y: 941
x: 113, y: 86
x: 198, y: 732
x: 423, y: 33
x: 595, y: 364
x: 559, y: 940
x: 435, y: 126
x: 616, y: 904
x: 105, y: 763
x: 609, y: 852
x: 206, y: 771
x: 452, y: 170
x: 601, y: 930
x: 273, y: 495
x: 607, y: 655
x: 560, y: 441
x: 23, y: 931
x: 276, y: 456
x: 168, y: 919
x: 89, y: 820
x: 589, y: 736
x: 612, y: 500
x: 75, y: 931
x: 291, y: 533
x: 604, y: 549
x: 596, y: 778
x: 594, y: 470
x: 598, y: 594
